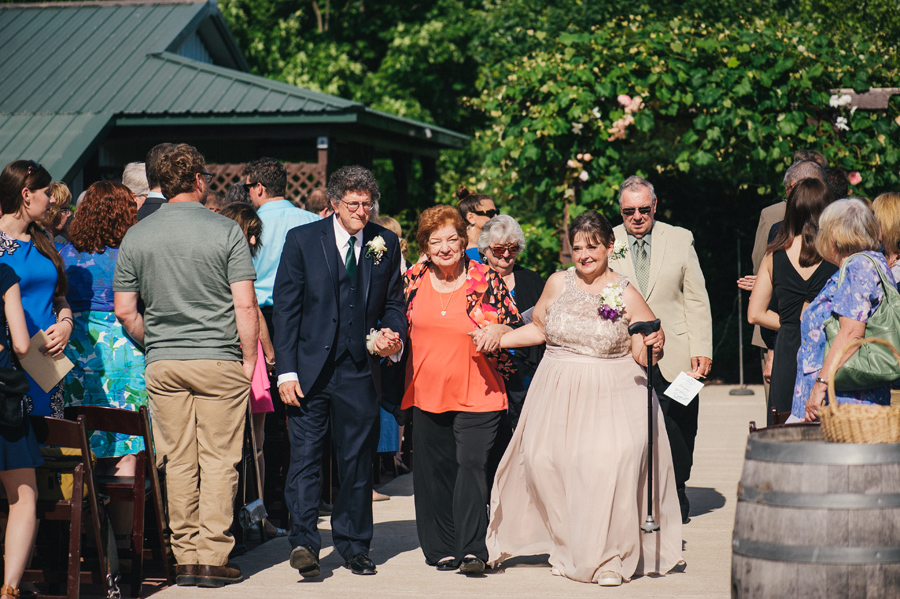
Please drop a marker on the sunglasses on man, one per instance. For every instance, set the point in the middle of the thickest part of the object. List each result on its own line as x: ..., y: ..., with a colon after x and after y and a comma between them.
x: 488, y: 213
x: 630, y: 211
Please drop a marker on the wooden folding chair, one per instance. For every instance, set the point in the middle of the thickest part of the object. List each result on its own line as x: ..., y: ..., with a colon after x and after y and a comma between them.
x: 140, y: 488
x: 83, y: 502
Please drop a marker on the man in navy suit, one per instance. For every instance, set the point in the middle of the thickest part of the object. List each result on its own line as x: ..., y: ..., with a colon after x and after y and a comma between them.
x: 338, y: 279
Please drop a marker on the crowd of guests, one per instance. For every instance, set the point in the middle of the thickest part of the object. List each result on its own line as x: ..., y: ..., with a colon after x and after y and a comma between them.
x: 827, y: 256
x: 527, y: 397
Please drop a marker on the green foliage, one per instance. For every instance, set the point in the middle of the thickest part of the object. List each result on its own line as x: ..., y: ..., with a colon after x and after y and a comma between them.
x: 724, y: 107
x: 409, y: 60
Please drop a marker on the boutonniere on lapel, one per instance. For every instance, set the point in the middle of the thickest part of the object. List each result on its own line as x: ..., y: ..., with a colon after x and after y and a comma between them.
x: 619, y: 249
x: 375, y: 249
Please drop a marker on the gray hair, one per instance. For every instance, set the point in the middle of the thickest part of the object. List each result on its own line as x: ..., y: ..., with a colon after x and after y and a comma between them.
x: 502, y: 228
x: 352, y: 179
x: 635, y: 183
x: 805, y: 169
x: 134, y: 177
x: 845, y: 227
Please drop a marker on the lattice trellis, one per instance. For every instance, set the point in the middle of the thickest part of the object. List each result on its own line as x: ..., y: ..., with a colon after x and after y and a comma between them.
x: 302, y: 177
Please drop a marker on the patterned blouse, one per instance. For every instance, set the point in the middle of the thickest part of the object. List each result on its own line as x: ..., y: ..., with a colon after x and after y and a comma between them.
x: 857, y: 297
x: 488, y: 301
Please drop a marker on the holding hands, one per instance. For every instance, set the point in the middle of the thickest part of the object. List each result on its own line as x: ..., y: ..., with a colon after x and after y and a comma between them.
x: 487, y: 340
x: 388, y: 343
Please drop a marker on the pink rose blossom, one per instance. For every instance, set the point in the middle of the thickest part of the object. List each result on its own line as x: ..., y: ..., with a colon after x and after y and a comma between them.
x: 855, y: 178
x: 624, y: 100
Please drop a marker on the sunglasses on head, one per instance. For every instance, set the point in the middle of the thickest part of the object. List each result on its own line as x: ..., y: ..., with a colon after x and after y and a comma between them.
x: 488, y: 213
x: 33, y: 167
x: 630, y: 211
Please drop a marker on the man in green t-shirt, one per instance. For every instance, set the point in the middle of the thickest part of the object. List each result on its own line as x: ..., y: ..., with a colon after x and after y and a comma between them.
x: 192, y: 269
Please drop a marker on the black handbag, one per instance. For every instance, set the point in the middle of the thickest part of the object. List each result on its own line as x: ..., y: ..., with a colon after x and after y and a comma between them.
x: 13, y: 387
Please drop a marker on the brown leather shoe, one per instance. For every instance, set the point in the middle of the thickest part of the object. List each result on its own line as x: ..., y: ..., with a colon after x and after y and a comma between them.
x: 186, y: 575
x: 218, y: 576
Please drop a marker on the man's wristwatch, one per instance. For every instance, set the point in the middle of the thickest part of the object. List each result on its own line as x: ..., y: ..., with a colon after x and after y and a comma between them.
x: 821, y: 380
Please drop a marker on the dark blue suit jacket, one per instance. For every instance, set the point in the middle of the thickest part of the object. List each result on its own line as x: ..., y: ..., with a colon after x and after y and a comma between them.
x: 305, y: 298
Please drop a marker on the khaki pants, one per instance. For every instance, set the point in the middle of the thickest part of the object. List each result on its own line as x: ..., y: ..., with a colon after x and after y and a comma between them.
x: 198, y: 409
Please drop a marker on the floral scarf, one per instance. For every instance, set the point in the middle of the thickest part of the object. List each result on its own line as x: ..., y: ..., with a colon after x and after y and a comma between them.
x: 488, y: 301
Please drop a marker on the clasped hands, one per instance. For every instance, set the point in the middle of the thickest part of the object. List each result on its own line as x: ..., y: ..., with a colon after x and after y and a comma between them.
x: 487, y: 340
x: 388, y: 343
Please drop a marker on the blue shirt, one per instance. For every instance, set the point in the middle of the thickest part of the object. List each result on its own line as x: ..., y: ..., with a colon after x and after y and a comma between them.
x: 90, y: 278
x: 278, y: 217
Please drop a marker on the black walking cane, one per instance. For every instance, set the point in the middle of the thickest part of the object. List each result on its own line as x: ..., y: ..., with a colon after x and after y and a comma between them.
x: 645, y: 328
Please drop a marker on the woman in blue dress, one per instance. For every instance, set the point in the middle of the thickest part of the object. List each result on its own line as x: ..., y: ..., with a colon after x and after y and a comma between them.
x: 848, y: 235
x: 19, y: 454
x: 25, y: 246
x: 109, y: 367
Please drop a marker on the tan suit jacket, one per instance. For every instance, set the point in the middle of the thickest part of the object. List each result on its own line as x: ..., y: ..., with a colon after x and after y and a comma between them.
x: 676, y: 292
x: 768, y: 217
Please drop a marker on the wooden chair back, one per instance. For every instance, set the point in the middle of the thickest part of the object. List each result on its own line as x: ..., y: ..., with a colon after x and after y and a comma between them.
x: 144, y: 486
x: 64, y: 433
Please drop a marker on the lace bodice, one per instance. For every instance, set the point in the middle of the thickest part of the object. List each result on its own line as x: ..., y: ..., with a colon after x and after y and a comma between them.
x: 573, y: 323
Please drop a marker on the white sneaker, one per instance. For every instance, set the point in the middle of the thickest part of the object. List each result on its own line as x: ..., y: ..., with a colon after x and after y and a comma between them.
x: 609, y: 579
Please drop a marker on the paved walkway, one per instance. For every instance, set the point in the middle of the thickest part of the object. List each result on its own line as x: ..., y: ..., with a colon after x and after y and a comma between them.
x: 401, y: 567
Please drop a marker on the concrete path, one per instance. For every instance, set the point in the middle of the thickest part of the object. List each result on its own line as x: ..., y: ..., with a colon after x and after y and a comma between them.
x: 401, y: 567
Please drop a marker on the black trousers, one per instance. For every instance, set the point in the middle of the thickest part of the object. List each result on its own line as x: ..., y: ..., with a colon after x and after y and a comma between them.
x: 681, y: 428
x: 450, y: 484
x: 343, y: 396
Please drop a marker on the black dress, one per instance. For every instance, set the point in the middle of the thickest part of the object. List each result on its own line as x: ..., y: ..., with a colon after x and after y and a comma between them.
x: 529, y: 287
x: 18, y: 446
x: 792, y: 292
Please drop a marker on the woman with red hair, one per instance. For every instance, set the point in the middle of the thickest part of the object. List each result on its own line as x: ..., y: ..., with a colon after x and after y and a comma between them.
x: 455, y: 388
x: 109, y: 367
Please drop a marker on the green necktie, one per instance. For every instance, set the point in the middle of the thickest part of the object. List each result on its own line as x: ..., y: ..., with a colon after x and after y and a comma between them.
x: 642, y: 264
x: 350, y: 259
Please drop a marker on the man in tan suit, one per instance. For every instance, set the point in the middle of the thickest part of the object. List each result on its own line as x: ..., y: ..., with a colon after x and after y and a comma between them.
x: 660, y: 261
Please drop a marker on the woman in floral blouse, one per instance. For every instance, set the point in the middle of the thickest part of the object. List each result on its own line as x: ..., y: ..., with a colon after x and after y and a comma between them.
x: 456, y: 391
x: 847, y: 230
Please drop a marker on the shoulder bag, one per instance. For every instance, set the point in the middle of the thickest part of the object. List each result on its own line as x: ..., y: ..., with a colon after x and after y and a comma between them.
x: 872, y: 365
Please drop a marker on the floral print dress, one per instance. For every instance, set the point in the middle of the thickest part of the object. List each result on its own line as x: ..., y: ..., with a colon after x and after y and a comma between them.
x: 109, y: 367
x: 858, y: 296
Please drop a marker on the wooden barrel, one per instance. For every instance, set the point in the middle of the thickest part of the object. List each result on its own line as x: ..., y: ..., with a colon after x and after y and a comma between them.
x: 816, y: 519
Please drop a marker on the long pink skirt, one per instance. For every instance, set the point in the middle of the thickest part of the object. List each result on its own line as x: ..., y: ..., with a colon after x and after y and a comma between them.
x: 572, y: 481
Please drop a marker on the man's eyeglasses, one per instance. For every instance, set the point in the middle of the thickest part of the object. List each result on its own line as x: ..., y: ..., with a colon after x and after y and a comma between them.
x: 354, y: 206
x: 207, y: 176
x: 630, y: 211
x: 488, y: 213
x: 499, y: 250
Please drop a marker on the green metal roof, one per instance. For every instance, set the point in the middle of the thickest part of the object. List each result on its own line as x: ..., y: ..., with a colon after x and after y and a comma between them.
x: 61, y: 142
x: 118, y: 65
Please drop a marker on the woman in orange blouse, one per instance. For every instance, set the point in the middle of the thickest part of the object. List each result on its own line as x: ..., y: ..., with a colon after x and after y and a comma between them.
x: 456, y: 391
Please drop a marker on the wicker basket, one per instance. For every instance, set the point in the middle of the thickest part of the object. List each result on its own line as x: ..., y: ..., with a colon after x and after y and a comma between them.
x: 857, y: 423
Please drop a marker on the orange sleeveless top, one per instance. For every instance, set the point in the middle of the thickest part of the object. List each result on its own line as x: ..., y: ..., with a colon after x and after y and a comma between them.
x: 444, y: 373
